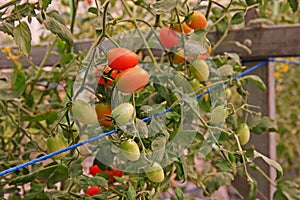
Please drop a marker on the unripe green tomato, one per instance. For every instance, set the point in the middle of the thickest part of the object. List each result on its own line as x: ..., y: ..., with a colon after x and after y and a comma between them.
x: 55, y: 143
x: 155, y: 173
x: 243, y: 133
x: 199, y: 69
x: 130, y: 150
x: 84, y: 112
x: 218, y: 115
x: 123, y: 114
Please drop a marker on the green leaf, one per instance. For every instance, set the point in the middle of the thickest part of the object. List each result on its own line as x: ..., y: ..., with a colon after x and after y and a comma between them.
x: 57, y: 16
x: 179, y: 193
x: 226, y: 70
x: 260, y: 125
x: 197, y: 43
x: 15, y: 87
x: 287, y: 190
x: 270, y: 162
x: 45, y: 3
x: 164, y: 6
x: 22, y: 37
x: 60, y: 174
x: 252, y: 2
x: 52, y: 116
x: 293, y: 4
x: 131, y: 193
x: 256, y: 80
x: 214, y: 181
x: 59, y: 29
x: 237, y: 18
x: 7, y: 28
x: 253, y: 190
x: 75, y: 168
x: 21, y: 180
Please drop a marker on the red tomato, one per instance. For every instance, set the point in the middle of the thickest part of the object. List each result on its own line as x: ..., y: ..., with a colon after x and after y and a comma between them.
x: 121, y: 58
x: 168, y: 37
x: 89, y: 1
x: 106, y: 77
x: 93, y: 190
x: 112, y: 173
x: 103, y: 111
x: 132, y: 79
x: 95, y: 170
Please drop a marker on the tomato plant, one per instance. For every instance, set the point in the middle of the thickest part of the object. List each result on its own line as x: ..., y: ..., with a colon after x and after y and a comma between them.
x: 135, y: 88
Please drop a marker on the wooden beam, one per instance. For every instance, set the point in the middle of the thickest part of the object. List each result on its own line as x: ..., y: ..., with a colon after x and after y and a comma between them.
x: 274, y: 41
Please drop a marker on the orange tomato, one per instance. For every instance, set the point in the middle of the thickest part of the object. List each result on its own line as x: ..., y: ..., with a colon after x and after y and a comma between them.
x: 197, y: 20
x: 103, y: 111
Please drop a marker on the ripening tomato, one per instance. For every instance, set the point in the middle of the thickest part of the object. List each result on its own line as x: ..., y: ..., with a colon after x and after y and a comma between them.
x: 155, y: 173
x: 121, y: 58
x: 94, y: 169
x: 243, y: 133
x: 131, y: 80
x: 130, y: 150
x: 103, y: 111
x: 93, y: 190
x: 55, y: 143
x: 197, y: 20
x: 186, y: 29
x: 178, y: 57
x: 108, y: 75
x: 168, y: 37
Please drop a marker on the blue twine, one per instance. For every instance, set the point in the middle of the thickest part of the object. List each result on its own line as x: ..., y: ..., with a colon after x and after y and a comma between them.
x: 12, y: 169
x: 283, y: 61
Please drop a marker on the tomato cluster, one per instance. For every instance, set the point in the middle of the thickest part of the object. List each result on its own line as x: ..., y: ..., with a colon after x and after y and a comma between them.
x: 111, y: 174
x: 195, y: 21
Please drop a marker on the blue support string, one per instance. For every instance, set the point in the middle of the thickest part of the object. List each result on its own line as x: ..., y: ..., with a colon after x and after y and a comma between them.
x: 13, y: 169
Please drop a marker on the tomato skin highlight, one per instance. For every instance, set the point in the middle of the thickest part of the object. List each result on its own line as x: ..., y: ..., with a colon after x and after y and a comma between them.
x: 94, y: 170
x: 155, y: 173
x: 121, y: 58
x: 55, y: 143
x: 101, y: 79
x: 197, y: 21
x: 131, y: 80
x: 93, y: 190
x: 103, y: 111
x: 168, y: 37
x: 130, y: 150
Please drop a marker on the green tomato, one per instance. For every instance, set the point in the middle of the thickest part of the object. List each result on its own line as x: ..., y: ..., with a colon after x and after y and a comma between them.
x: 55, y: 143
x: 155, y: 173
x: 130, y: 150
x: 243, y: 133
x: 218, y: 115
x: 84, y: 112
x: 123, y: 114
x: 199, y: 69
